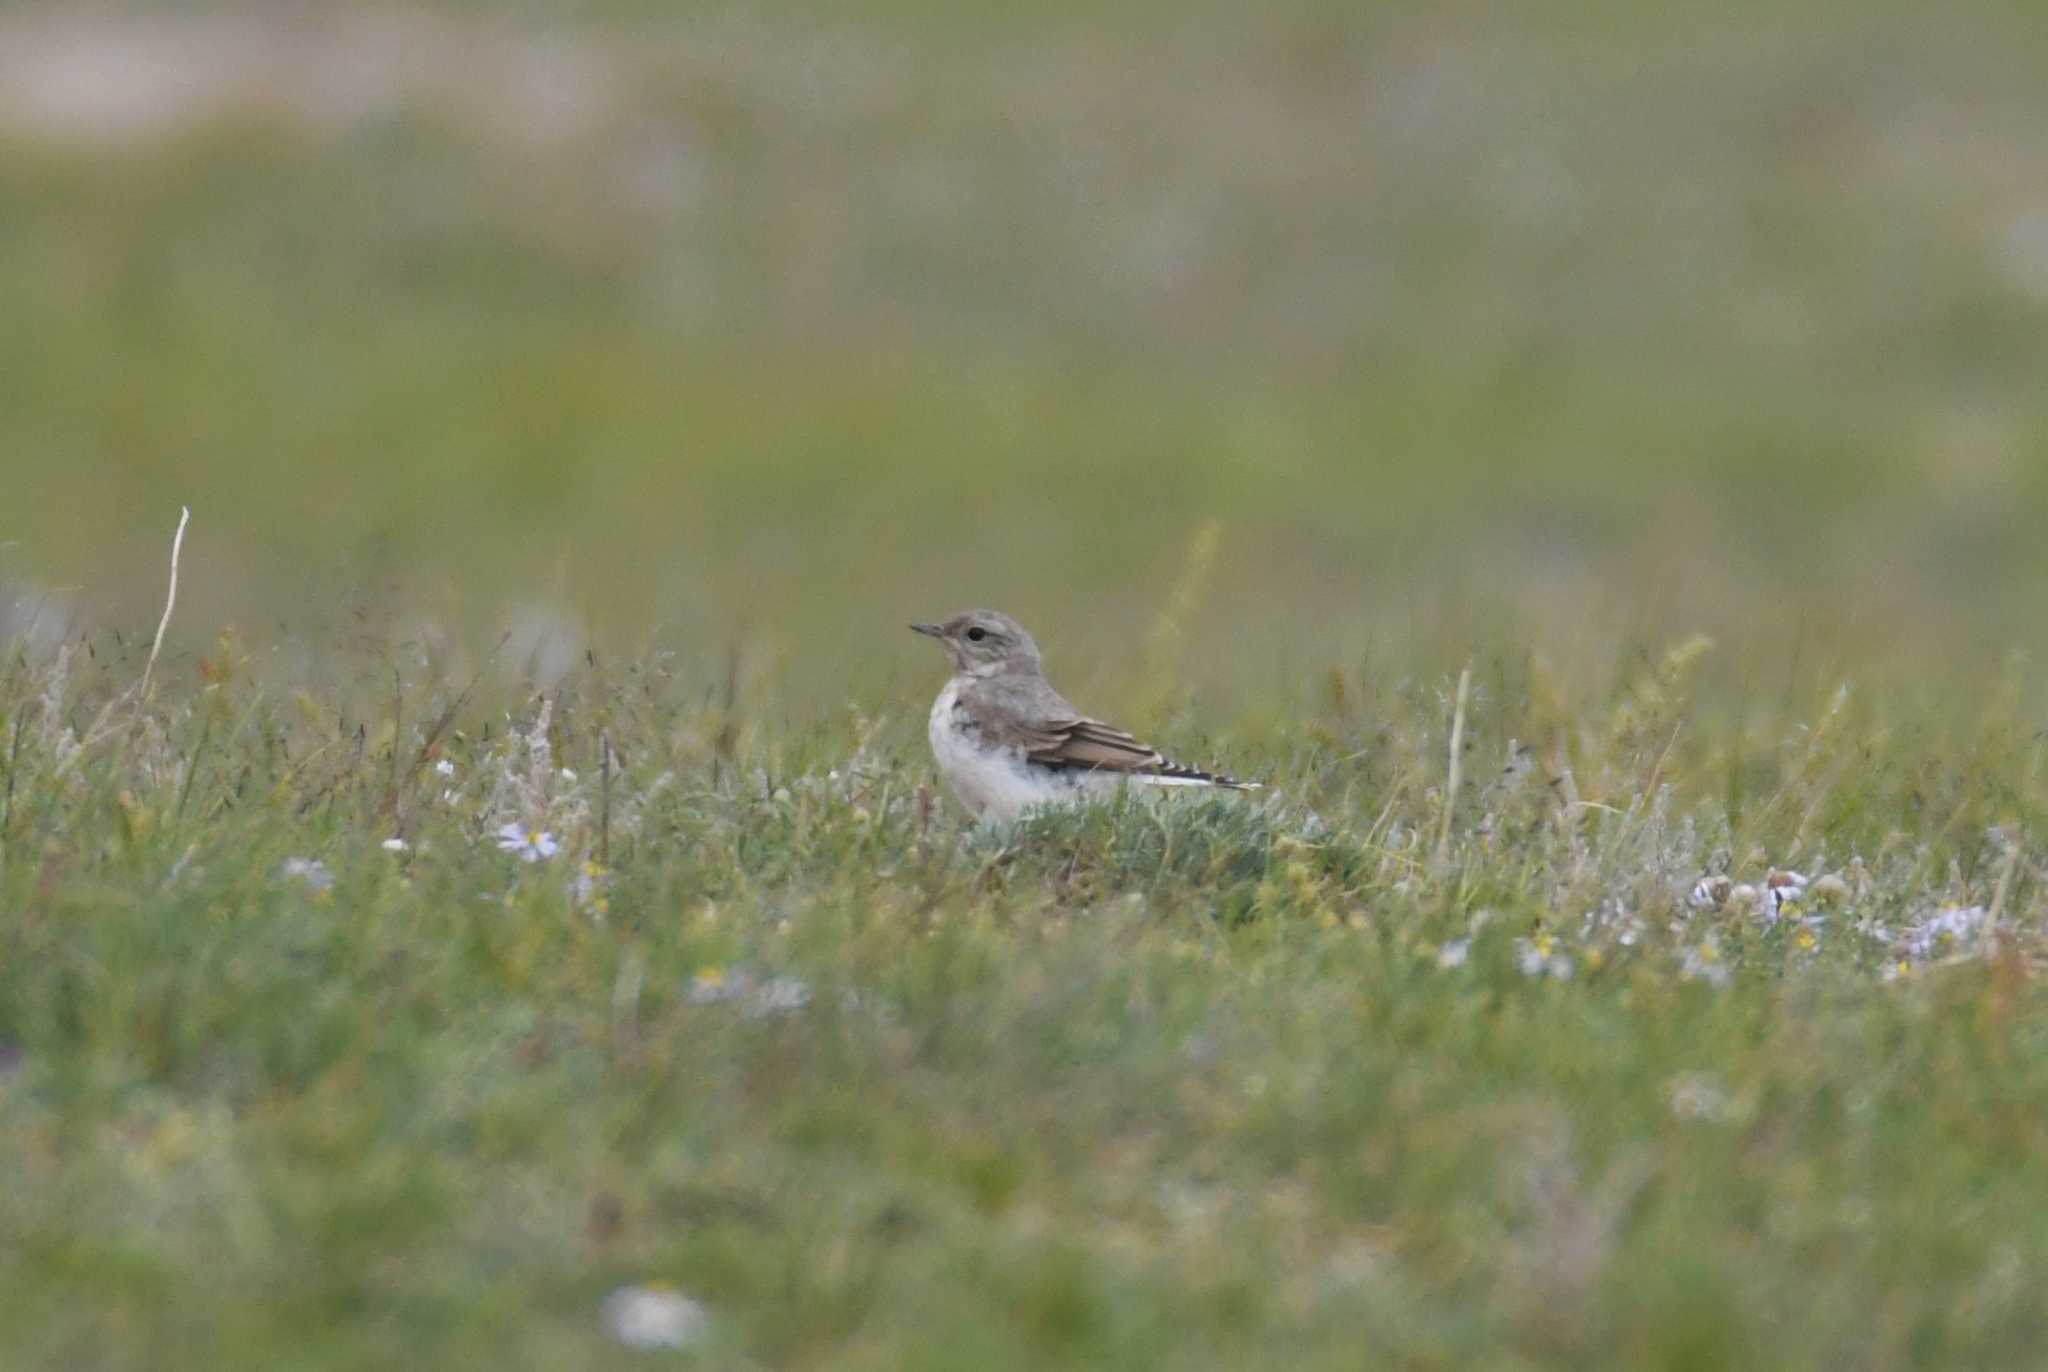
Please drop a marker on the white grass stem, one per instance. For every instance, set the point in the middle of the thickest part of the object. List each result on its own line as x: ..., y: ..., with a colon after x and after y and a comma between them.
x: 170, y: 601
x: 1443, y: 841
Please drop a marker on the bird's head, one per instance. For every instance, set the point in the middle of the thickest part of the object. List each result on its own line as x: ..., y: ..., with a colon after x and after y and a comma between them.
x: 984, y: 642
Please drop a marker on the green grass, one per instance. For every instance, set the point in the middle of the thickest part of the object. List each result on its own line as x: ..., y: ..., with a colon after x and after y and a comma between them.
x: 617, y: 383
x: 1193, y: 1084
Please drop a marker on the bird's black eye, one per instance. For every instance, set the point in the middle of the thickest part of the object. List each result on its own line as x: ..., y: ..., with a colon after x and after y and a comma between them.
x: 977, y: 635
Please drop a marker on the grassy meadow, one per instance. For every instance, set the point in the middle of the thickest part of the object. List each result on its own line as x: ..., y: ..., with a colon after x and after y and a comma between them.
x: 1592, y: 468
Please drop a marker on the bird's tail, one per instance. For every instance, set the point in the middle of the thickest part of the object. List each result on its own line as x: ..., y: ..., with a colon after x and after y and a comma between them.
x: 1173, y: 774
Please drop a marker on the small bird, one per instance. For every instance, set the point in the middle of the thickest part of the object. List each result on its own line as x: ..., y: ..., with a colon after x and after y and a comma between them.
x: 1006, y: 741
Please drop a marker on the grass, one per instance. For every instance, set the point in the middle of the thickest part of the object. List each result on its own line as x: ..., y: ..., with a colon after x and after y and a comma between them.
x: 574, y: 407
x: 1195, y: 1084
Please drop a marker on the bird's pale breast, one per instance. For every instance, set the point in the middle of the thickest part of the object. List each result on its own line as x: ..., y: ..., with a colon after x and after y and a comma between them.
x: 991, y: 781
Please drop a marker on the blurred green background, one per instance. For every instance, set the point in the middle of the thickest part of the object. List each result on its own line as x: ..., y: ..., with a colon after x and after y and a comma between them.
x: 681, y: 326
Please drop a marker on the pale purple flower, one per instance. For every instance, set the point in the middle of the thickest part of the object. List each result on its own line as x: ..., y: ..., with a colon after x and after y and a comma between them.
x: 1946, y: 931
x: 532, y: 845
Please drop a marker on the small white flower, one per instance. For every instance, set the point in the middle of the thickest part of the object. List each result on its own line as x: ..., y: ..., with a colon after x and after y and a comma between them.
x: 781, y: 995
x: 395, y: 844
x: 1612, y: 920
x: 654, y: 1317
x: 711, y: 987
x: 312, y: 871
x: 532, y: 845
x: 568, y: 775
x: 1539, y: 957
x: 774, y: 995
x: 1697, y: 1096
x: 444, y: 768
x: 1704, y: 963
x: 1945, y: 931
x: 1454, y: 953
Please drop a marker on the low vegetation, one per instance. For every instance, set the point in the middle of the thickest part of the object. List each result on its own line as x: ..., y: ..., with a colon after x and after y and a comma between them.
x: 402, y: 1028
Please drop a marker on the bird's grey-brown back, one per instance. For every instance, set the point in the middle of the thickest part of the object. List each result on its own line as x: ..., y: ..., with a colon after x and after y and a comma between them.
x: 1005, y: 740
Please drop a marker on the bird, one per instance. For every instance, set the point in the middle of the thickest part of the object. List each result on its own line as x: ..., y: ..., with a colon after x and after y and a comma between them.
x: 1006, y: 742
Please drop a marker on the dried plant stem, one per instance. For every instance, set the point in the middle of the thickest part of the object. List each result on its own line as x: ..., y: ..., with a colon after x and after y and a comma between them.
x: 397, y: 732
x: 604, y: 801
x: 170, y: 601
x: 1443, y: 841
x: 13, y: 771
x: 192, y: 767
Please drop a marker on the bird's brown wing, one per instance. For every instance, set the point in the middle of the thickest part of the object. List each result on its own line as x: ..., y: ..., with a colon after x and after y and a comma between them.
x: 1091, y: 745
x: 1052, y: 733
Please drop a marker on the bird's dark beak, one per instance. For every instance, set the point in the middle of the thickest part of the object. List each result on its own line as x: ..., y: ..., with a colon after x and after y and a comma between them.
x: 929, y: 630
